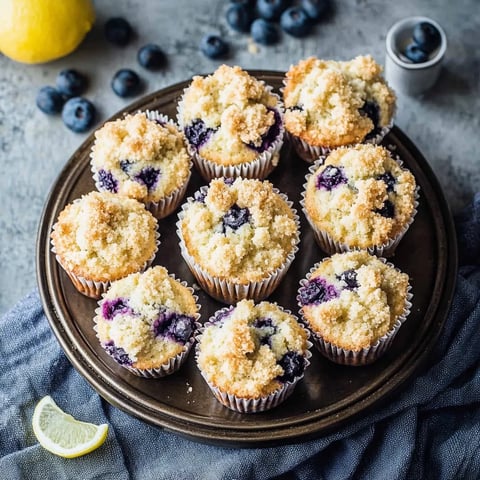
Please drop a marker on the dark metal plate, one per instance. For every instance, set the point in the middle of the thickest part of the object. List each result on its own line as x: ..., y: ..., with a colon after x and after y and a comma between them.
x: 330, y: 395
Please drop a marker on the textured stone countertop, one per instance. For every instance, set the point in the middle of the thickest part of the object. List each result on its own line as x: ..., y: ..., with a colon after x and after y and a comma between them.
x: 444, y: 123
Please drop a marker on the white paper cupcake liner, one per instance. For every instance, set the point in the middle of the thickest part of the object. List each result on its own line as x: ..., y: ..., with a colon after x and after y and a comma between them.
x: 260, y: 167
x: 330, y: 245
x: 227, y: 291
x: 252, y: 405
x: 172, y: 364
x: 367, y: 355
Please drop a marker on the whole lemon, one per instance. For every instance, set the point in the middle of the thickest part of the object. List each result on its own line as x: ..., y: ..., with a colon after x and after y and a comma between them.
x: 37, y: 31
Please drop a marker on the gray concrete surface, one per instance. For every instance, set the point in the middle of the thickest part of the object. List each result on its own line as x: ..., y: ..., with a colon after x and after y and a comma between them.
x: 444, y: 123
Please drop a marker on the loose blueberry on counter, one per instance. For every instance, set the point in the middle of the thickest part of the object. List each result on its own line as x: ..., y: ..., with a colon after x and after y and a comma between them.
x: 271, y: 9
x: 270, y: 136
x: 175, y: 326
x: 295, y: 22
x: 71, y: 83
x: 387, y: 210
x: 126, y: 83
x: 148, y: 176
x: 264, y: 32
x: 239, y: 17
x: 315, y: 9
x: 107, y: 181
x: 372, y: 111
x: 213, y: 46
x: 349, y: 277
x: 118, y: 31
x: 415, y: 54
x: 316, y: 291
x: 78, y: 114
x: 293, y: 365
x: 389, y: 181
x: 49, y: 100
x: 111, y: 308
x: 331, y: 177
x: 198, y: 133
x: 426, y: 36
x: 117, y: 353
x: 151, y: 57
x: 235, y: 217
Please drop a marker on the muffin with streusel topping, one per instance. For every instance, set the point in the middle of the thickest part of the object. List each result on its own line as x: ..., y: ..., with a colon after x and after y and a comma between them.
x: 330, y: 103
x: 354, y: 303
x: 146, y: 322
x: 142, y: 156
x: 238, y: 237
x: 102, y: 237
x: 252, y: 355
x: 233, y: 123
x: 359, y: 198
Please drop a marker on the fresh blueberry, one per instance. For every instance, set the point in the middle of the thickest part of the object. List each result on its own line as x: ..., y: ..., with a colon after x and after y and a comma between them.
x: 372, y: 111
x: 151, y: 57
x: 295, y: 22
x: 426, y: 36
x: 78, y: 114
x: 315, y: 9
x: 49, y: 100
x: 349, y: 277
x: 387, y: 210
x: 126, y: 83
x: 118, y: 31
x: 331, y: 177
x: 239, y: 17
x: 125, y: 166
x: 264, y: 32
x: 271, y: 9
x: 213, y: 46
x: 71, y: 83
x: 415, y: 54
x: 175, y: 326
x: 293, y: 365
x: 111, y: 308
x: 270, y: 136
x: 235, y: 217
x: 107, y: 181
x: 316, y: 291
x: 389, y: 181
x: 117, y: 353
x: 148, y: 176
x: 197, y: 133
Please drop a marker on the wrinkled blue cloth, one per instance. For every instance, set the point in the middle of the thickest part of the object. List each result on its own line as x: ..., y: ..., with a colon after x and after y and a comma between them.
x: 429, y: 430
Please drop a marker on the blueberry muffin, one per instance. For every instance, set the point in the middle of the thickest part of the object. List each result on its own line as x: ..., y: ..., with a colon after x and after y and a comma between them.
x: 252, y: 356
x: 359, y: 198
x: 330, y: 104
x: 354, y: 303
x: 146, y: 322
x: 102, y: 237
x: 239, y: 237
x: 142, y: 156
x: 233, y: 123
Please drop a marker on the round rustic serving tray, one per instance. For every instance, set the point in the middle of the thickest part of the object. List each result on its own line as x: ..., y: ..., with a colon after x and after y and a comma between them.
x: 330, y: 395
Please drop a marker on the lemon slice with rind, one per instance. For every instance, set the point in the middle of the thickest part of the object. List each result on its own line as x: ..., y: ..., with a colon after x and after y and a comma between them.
x: 59, y: 433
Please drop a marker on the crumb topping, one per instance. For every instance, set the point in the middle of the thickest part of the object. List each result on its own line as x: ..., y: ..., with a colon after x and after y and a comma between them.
x: 233, y: 357
x: 352, y: 212
x: 253, y: 250
x: 103, y: 236
x: 359, y: 316
x: 323, y: 100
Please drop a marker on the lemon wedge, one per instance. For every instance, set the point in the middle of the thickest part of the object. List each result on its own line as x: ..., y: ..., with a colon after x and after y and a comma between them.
x: 59, y: 433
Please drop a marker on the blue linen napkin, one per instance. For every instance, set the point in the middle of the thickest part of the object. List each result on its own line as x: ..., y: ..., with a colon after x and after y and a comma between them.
x: 429, y: 430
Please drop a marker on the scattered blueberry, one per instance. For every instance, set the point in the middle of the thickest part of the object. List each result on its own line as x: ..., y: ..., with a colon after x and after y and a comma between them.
x: 426, y: 36
x: 295, y: 22
x: 198, y: 133
x: 78, y: 114
x: 331, y: 177
x: 270, y: 136
x: 117, y: 353
x: 239, y: 17
x: 49, y: 100
x: 235, y: 217
x: 316, y: 291
x: 415, y: 54
x: 176, y: 326
x: 349, y: 277
x: 107, y: 181
x: 389, y: 180
x: 315, y: 9
x: 271, y: 9
x: 293, y: 365
x: 212, y: 46
x: 126, y: 83
x: 151, y: 57
x: 111, y: 308
x: 125, y: 166
x: 71, y: 83
x: 372, y: 111
x: 387, y: 210
x: 148, y: 176
x: 118, y: 31
x: 264, y: 32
